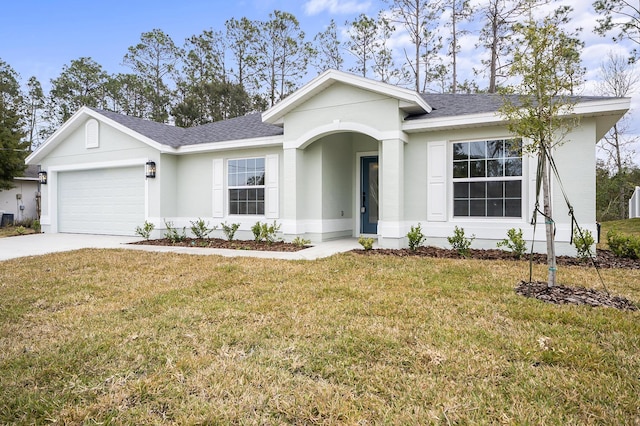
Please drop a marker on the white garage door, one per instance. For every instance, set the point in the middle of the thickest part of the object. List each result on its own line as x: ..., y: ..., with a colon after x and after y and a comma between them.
x: 102, y: 201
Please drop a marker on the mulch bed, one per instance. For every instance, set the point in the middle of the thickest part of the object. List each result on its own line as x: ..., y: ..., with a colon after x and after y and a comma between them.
x: 562, y: 295
x: 604, y: 259
x: 224, y: 244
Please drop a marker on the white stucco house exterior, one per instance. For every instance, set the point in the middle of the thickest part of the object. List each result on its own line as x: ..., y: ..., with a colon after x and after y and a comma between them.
x: 341, y: 157
x: 21, y: 201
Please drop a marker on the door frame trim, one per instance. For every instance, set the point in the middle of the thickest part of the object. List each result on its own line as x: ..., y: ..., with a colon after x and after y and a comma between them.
x: 358, y: 187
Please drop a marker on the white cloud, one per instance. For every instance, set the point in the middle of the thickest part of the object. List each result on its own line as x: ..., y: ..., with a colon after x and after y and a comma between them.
x: 335, y: 7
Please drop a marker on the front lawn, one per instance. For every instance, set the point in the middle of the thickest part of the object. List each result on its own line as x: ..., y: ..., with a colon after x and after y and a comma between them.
x: 121, y: 337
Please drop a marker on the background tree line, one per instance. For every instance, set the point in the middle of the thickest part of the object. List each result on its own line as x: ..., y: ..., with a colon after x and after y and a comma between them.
x: 249, y: 65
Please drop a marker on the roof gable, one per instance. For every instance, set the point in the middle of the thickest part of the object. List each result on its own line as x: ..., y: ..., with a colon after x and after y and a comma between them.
x: 410, y: 102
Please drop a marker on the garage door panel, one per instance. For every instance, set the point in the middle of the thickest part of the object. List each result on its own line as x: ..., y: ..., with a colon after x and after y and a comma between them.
x: 102, y: 201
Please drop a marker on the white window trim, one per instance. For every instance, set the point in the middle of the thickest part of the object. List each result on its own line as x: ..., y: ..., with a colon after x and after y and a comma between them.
x: 524, y: 179
x: 228, y: 187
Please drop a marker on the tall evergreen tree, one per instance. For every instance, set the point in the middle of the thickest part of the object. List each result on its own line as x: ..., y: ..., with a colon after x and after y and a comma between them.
x: 155, y: 61
x: 327, y: 47
x: 13, y: 149
x: 622, y: 16
x: 283, y: 55
x: 34, y: 103
x: 81, y: 83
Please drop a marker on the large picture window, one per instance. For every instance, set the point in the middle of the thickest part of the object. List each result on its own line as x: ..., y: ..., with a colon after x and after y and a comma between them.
x: 487, y: 178
x: 245, y: 180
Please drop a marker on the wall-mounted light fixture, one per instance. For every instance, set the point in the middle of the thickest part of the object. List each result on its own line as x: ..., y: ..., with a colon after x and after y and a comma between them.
x: 150, y: 169
x: 42, y: 177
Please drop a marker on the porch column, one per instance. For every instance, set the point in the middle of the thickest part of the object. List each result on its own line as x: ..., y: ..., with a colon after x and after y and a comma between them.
x: 391, y: 232
x: 293, y: 178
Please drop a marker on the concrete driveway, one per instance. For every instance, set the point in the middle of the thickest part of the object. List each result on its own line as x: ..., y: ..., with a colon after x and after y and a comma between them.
x: 36, y: 244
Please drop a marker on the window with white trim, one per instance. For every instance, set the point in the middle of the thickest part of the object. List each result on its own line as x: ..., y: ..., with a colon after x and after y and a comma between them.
x: 245, y: 182
x: 487, y: 178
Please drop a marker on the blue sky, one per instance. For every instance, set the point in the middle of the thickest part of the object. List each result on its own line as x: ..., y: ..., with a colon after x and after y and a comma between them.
x: 38, y: 37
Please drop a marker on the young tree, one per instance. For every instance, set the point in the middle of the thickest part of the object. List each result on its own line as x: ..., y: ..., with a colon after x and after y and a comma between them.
x: 81, y: 83
x: 284, y: 55
x: 618, y: 78
x: 327, y: 47
x: 34, y: 103
x: 546, y: 60
x: 12, y: 149
x: 622, y: 16
x: 154, y: 60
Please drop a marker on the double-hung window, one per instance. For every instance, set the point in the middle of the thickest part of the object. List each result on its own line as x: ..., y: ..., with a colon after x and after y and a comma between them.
x: 245, y: 179
x: 487, y: 178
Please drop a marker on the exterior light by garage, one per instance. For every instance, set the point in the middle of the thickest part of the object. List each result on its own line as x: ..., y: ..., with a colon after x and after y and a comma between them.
x: 150, y: 169
x: 42, y: 177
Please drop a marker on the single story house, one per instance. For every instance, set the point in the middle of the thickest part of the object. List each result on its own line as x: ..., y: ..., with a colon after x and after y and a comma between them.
x: 21, y: 201
x: 343, y: 156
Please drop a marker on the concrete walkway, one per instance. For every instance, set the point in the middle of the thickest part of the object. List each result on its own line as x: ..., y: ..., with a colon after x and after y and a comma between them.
x: 38, y: 244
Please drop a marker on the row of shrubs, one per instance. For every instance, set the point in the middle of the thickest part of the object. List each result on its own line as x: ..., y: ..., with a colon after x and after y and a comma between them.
x: 621, y: 245
x: 514, y: 242
x: 262, y: 232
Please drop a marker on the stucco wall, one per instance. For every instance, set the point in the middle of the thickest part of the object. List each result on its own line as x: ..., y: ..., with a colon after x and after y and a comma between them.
x: 576, y: 163
x: 27, y: 191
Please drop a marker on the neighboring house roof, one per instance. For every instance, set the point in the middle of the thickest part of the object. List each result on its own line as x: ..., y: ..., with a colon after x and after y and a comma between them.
x: 30, y: 173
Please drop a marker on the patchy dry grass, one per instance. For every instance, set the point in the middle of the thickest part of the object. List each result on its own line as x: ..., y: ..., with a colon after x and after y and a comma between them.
x: 117, y: 337
x: 14, y: 231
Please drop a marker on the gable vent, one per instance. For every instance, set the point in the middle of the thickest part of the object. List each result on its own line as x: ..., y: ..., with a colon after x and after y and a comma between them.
x: 92, y: 134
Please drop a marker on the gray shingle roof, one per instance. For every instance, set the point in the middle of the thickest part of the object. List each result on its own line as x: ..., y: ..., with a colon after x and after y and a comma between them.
x: 251, y: 125
x: 456, y: 104
x: 246, y: 127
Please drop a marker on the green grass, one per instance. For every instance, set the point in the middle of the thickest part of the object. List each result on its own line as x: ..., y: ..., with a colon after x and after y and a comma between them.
x: 626, y: 226
x: 115, y: 337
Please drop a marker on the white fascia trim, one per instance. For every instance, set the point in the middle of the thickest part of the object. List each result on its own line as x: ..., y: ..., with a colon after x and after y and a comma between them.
x: 408, y: 98
x: 603, y: 107
x: 230, y: 145
x: 413, y: 126
x: 99, y: 165
x: 587, y: 108
x: 29, y: 179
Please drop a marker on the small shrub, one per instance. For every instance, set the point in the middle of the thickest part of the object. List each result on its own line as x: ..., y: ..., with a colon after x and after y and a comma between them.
x: 21, y: 230
x: 460, y: 243
x: 514, y: 242
x: 172, y: 233
x: 229, y: 230
x: 200, y: 228
x: 145, y: 230
x: 265, y: 232
x: 36, y: 225
x: 416, y: 237
x: 300, y: 242
x: 583, y: 243
x: 623, y: 245
x: 365, y: 242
